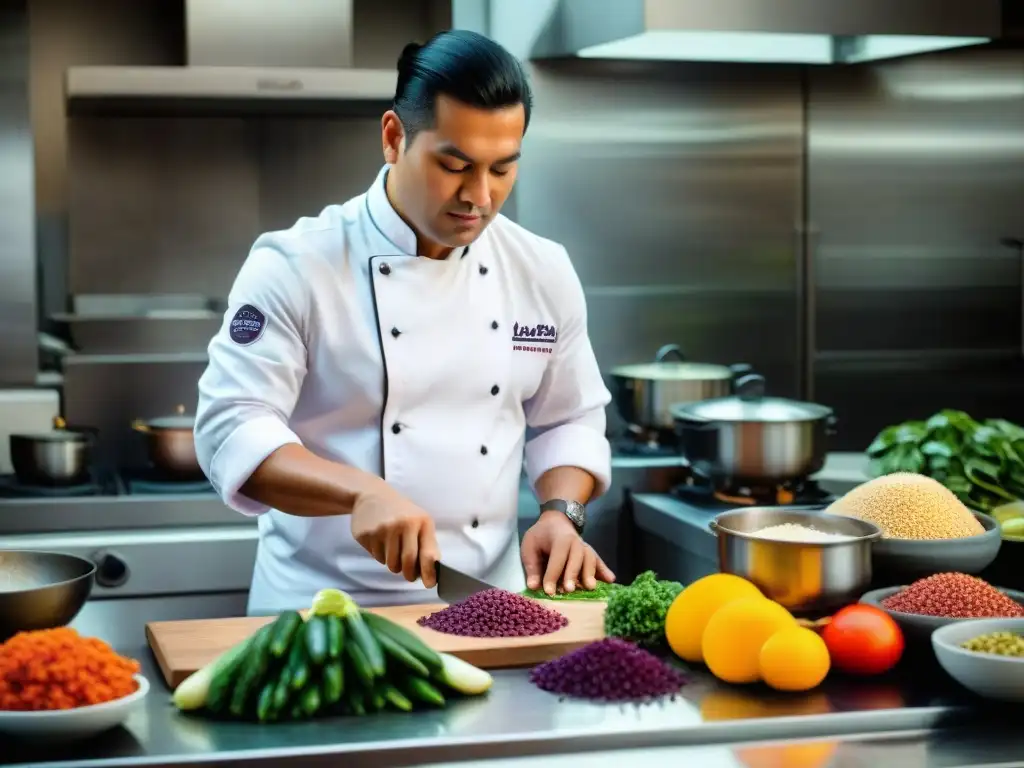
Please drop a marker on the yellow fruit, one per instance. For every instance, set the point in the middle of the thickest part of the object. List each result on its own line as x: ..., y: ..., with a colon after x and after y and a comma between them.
x: 693, y: 607
x: 794, y: 659
x: 735, y: 633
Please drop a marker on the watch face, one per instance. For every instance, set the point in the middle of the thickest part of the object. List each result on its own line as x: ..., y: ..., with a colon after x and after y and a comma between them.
x: 577, y: 513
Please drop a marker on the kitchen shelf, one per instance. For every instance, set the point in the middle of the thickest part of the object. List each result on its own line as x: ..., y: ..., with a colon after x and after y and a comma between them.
x: 157, y: 358
x: 228, y: 91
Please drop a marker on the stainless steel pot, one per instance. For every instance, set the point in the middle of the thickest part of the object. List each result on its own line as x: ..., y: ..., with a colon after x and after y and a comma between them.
x: 751, y: 439
x: 58, y: 458
x: 171, y: 444
x: 645, y: 392
x: 805, y: 577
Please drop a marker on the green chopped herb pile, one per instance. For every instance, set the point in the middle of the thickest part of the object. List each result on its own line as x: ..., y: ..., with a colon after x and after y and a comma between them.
x: 637, y: 612
x: 981, y: 462
x: 600, y: 592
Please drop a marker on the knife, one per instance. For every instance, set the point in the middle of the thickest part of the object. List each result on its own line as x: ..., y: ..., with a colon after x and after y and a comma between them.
x: 453, y: 585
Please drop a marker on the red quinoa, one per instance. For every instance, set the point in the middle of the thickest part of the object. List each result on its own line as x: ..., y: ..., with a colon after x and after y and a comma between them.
x: 495, y: 613
x: 609, y: 670
x: 953, y: 596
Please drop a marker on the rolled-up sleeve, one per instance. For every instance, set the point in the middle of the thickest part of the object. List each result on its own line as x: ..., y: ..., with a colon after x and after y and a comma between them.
x: 257, y: 363
x: 565, y: 418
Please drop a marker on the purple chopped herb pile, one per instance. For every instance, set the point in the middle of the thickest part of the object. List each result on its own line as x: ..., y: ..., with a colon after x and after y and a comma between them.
x: 609, y: 670
x: 495, y: 613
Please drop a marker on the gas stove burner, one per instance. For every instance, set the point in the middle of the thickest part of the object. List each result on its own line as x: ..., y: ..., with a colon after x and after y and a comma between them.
x: 645, y: 443
x: 11, y: 488
x: 703, y: 492
x: 145, y: 482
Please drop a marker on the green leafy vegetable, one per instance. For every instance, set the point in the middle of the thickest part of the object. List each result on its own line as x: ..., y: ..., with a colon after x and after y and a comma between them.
x: 601, y: 592
x: 637, y: 612
x: 981, y: 462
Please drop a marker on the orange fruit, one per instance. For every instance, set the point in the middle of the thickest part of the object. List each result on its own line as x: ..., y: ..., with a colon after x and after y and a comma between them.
x: 693, y: 607
x: 794, y: 659
x: 735, y: 633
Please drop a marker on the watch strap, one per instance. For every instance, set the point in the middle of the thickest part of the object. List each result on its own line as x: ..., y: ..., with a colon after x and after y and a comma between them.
x: 573, y: 510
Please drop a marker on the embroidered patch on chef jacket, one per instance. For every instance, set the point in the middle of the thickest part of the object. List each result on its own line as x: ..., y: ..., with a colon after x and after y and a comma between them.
x: 247, y: 325
x: 534, y: 338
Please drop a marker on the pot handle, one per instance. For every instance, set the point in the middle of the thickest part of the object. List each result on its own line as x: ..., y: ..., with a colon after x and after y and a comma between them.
x: 713, y: 527
x: 669, y: 349
x: 140, y: 426
x: 740, y: 370
x: 750, y: 387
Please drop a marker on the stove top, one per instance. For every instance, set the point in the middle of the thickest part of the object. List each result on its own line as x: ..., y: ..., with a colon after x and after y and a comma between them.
x: 701, y: 493
x: 139, y: 482
x: 641, y: 446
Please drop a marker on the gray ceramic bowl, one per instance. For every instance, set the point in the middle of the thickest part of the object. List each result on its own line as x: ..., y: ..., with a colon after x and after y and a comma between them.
x: 912, y: 559
x: 916, y: 627
x: 993, y: 677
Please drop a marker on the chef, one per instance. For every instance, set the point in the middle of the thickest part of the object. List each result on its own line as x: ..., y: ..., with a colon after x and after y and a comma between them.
x: 384, y: 368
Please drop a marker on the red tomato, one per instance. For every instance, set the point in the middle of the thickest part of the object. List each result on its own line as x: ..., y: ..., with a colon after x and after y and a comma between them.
x: 863, y: 640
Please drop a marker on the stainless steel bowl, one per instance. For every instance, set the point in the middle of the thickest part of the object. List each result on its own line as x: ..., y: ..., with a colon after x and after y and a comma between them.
x: 41, y: 590
x: 806, y: 577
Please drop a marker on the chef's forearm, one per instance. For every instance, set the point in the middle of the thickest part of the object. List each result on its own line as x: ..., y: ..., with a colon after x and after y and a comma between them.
x: 296, y: 481
x: 568, y: 483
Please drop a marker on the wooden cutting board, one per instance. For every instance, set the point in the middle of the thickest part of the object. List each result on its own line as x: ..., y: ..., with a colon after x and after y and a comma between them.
x: 182, y: 647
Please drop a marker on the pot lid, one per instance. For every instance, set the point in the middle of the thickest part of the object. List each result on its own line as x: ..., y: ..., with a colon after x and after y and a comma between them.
x: 751, y: 404
x: 673, y: 371
x: 180, y: 420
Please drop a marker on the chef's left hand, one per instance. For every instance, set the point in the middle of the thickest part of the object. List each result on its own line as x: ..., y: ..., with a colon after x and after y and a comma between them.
x: 554, y: 553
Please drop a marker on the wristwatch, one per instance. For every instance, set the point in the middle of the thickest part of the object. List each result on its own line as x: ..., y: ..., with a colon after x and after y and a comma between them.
x: 575, y: 511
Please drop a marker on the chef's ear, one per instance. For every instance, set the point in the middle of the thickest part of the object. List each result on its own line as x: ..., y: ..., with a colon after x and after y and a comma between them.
x: 392, y: 136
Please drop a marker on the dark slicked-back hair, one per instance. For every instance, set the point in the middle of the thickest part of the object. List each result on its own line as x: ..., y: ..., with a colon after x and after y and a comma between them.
x: 463, y: 65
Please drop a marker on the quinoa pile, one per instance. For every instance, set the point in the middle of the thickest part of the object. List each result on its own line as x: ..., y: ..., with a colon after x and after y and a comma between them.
x: 495, y: 613
x: 954, y: 596
x: 612, y: 670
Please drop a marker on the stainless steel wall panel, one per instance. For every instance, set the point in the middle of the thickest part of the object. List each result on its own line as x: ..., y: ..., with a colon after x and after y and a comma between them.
x: 915, y: 172
x: 161, y: 206
x: 19, y: 356
x: 677, y: 191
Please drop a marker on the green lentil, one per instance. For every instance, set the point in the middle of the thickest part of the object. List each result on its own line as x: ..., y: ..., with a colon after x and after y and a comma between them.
x: 998, y: 643
x: 601, y: 592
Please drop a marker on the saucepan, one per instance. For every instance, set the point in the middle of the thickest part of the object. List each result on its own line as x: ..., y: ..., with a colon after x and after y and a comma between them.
x: 59, y: 457
x: 804, y: 575
x: 751, y: 439
x: 171, y: 444
x: 41, y: 590
x: 645, y: 392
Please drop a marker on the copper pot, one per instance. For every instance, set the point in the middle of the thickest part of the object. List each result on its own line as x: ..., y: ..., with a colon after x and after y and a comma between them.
x: 171, y: 444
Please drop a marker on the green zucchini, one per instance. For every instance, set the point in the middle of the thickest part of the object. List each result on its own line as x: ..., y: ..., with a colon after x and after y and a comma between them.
x: 333, y: 682
x: 395, y: 651
x: 396, y: 698
x: 255, y: 667
x: 360, y: 666
x: 316, y: 639
x: 406, y: 639
x: 224, y: 673
x: 358, y: 633
x: 419, y: 689
x: 309, y: 701
x: 285, y: 627
x: 265, y: 702
x: 335, y: 637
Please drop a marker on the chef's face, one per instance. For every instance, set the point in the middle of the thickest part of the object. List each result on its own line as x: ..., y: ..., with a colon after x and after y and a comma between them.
x: 453, y: 178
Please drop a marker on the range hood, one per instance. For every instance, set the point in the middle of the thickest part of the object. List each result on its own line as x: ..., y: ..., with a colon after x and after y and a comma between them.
x: 769, y: 31
x: 246, y: 55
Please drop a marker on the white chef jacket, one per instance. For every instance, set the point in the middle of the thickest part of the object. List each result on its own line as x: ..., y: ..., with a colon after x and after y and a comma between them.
x: 425, y: 372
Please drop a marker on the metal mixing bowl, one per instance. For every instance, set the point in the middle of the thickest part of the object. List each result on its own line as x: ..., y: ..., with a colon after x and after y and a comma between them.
x: 807, y: 577
x: 41, y: 590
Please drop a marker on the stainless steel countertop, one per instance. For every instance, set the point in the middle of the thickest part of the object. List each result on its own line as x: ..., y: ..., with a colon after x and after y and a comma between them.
x: 514, y: 720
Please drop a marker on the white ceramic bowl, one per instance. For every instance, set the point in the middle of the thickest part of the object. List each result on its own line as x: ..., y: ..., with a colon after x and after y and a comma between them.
x: 73, y: 724
x: 986, y: 674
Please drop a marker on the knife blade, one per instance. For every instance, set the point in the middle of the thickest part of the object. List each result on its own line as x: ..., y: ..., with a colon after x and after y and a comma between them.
x: 453, y: 585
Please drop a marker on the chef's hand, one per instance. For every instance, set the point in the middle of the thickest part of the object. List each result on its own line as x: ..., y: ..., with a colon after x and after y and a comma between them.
x: 554, y: 553
x: 397, y: 533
